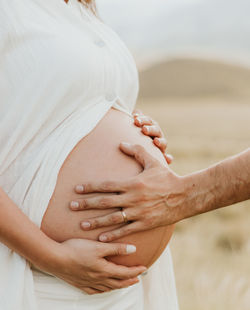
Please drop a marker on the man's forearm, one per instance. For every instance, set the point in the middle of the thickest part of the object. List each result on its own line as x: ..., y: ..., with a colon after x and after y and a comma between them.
x: 221, y: 185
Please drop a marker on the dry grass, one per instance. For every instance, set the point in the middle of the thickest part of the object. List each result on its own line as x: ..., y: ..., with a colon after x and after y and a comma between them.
x: 211, y: 252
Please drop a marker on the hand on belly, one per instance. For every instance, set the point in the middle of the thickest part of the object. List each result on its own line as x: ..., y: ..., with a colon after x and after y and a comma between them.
x: 97, y: 158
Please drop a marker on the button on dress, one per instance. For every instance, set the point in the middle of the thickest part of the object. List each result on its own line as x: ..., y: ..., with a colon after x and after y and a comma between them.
x: 61, y: 70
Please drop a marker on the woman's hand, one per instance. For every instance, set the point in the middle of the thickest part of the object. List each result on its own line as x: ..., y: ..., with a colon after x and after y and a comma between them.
x: 151, y: 128
x: 149, y: 200
x: 82, y: 263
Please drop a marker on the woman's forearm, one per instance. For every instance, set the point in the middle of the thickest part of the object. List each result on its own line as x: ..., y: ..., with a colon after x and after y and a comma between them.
x: 22, y: 236
x: 223, y: 184
x: 77, y: 261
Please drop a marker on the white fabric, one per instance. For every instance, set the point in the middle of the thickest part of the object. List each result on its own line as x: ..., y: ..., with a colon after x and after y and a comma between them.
x: 55, y: 294
x: 61, y: 70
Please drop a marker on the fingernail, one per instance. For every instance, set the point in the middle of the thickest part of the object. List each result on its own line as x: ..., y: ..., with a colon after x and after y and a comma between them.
x: 79, y: 188
x: 103, y: 238
x: 126, y: 144
x: 146, y: 129
x: 85, y: 224
x: 74, y: 204
x: 131, y: 249
x: 171, y: 157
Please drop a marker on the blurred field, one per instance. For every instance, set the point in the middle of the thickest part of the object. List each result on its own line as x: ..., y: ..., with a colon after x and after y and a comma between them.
x: 211, y: 252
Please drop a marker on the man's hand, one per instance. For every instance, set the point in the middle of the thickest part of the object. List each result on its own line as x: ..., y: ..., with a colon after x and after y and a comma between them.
x: 145, y: 198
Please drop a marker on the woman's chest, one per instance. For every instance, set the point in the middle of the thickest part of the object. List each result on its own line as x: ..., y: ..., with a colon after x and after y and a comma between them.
x: 77, y: 50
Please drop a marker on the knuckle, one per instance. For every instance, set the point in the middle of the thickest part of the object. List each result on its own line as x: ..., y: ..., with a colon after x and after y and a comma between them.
x: 107, y: 185
x: 115, y: 218
x: 118, y: 250
x: 92, y: 275
x: 94, y: 223
x: 101, y: 276
x: 83, y: 204
x: 128, y: 230
x: 99, y: 249
x: 105, y: 202
x: 149, y: 221
x: 87, y: 187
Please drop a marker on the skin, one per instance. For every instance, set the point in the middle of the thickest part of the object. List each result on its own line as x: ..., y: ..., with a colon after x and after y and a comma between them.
x: 159, y: 197
x: 69, y: 260
x: 79, y: 262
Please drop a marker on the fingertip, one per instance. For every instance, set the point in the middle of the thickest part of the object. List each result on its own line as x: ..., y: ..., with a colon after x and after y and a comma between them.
x: 127, y: 147
x: 130, y: 248
x: 169, y: 158
x: 125, y: 144
x: 103, y: 238
x: 144, y: 270
x: 79, y: 188
x: 85, y: 225
x: 134, y: 281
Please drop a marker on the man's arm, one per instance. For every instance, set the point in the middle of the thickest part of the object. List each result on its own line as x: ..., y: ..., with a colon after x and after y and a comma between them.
x: 220, y: 185
x: 158, y: 197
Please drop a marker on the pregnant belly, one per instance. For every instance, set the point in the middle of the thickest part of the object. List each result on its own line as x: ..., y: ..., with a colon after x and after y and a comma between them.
x: 97, y: 158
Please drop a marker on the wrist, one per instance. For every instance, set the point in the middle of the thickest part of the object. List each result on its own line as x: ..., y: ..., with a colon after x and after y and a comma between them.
x: 199, y: 193
x: 48, y: 257
x: 176, y: 197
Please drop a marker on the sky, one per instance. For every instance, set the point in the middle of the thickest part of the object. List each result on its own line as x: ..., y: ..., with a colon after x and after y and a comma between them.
x: 155, y: 29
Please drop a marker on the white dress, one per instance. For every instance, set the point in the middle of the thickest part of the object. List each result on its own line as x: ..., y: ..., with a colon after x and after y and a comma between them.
x: 61, y: 70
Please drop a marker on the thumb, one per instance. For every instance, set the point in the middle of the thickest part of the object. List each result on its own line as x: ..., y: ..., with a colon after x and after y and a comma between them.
x: 111, y: 249
x: 139, y: 153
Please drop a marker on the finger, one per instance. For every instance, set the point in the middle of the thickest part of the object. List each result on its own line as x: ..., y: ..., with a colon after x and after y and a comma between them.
x: 108, y: 220
x: 152, y: 131
x: 100, y: 202
x: 102, y: 288
x: 90, y: 291
x: 169, y: 158
x: 161, y: 143
x: 140, y: 154
x: 110, y: 249
x: 103, y: 221
x: 122, y: 272
x: 102, y: 187
x: 120, y: 232
x: 117, y: 284
x: 143, y: 120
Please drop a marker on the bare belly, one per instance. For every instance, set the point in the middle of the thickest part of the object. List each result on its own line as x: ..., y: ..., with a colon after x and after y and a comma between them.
x: 97, y: 157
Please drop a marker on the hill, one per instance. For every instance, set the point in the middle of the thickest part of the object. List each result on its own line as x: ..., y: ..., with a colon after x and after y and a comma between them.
x: 194, y: 78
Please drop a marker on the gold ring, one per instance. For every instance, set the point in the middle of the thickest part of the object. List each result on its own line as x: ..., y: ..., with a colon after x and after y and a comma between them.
x: 125, y: 219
